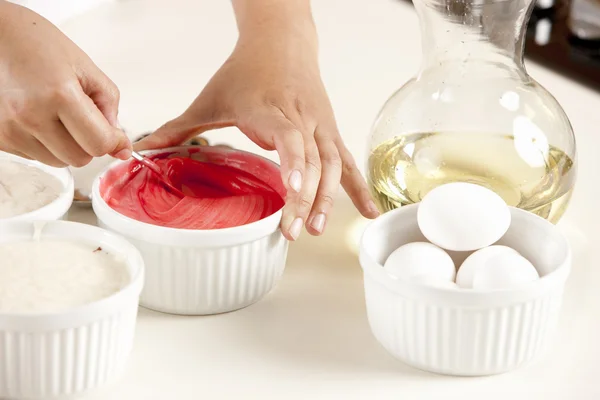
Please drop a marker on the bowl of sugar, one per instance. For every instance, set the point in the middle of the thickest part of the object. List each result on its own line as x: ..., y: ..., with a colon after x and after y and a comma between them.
x: 69, y: 296
x: 216, y: 249
x: 462, y: 284
x: 31, y: 191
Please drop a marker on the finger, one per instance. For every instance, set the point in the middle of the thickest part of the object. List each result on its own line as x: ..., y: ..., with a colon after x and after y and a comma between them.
x: 328, y: 187
x: 287, y: 140
x: 300, y: 204
x: 7, y: 149
x: 195, y: 121
x: 103, y: 92
x: 89, y: 128
x: 173, y: 133
x: 289, y: 144
x: 354, y: 184
x: 62, y: 145
x: 22, y: 155
x: 26, y: 146
x: 283, y: 136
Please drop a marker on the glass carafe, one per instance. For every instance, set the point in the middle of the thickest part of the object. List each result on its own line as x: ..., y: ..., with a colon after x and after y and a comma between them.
x: 473, y: 114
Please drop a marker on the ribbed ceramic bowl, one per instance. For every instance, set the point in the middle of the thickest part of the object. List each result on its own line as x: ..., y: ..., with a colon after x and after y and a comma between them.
x: 67, y: 353
x: 58, y: 208
x: 464, y: 331
x: 200, y: 272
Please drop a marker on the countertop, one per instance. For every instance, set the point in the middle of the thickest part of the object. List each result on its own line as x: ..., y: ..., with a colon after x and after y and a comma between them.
x: 310, y: 338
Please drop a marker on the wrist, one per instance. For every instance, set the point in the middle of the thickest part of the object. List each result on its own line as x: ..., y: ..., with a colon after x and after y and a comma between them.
x: 275, y: 20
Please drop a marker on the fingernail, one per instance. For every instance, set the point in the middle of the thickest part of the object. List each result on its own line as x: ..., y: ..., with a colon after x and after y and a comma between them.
x: 124, y: 154
x: 295, y: 180
x: 373, y: 208
x: 296, y: 228
x: 318, y: 222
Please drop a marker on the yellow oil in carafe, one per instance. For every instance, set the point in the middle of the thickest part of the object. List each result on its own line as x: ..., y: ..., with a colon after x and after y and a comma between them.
x: 531, y: 175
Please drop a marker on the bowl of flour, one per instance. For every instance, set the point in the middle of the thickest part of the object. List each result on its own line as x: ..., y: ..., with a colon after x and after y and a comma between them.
x: 69, y: 296
x: 30, y: 190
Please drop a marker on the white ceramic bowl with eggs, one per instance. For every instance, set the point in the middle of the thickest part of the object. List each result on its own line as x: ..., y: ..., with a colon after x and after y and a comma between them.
x: 458, y: 331
x: 201, y: 272
x: 58, y: 208
x: 69, y: 352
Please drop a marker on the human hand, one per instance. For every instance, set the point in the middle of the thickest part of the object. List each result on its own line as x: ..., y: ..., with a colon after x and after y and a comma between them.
x: 270, y: 88
x: 56, y: 106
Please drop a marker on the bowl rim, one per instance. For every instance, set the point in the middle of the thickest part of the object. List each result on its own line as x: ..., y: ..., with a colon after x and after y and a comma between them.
x: 162, y: 235
x: 463, y: 296
x: 84, y: 313
x: 58, y: 207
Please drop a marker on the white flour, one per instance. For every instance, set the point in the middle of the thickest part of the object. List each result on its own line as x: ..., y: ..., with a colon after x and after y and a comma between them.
x: 51, y: 275
x: 24, y: 188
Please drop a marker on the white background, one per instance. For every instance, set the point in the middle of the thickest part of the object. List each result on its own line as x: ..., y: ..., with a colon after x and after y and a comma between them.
x: 310, y: 337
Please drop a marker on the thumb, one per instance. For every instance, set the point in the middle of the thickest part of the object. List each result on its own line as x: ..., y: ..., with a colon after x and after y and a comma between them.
x: 123, y: 148
x: 170, y: 134
x: 195, y: 120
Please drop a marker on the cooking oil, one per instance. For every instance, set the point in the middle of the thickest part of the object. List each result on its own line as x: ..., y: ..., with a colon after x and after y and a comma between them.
x: 526, y: 172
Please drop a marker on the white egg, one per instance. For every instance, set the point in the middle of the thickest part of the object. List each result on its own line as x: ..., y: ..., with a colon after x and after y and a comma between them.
x: 504, y: 271
x: 495, y: 267
x: 420, y: 258
x: 429, y: 280
x: 463, y: 216
x: 466, y: 272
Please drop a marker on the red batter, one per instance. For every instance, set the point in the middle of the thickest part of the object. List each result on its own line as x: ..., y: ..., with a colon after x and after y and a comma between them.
x: 223, y: 188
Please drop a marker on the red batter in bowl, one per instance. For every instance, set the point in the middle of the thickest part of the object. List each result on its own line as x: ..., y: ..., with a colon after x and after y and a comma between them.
x: 224, y: 188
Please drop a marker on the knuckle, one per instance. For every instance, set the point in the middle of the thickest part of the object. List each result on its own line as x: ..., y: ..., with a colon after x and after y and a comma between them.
x: 304, y: 205
x: 295, y: 132
x: 297, y: 161
x: 349, y: 168
x: 332, y: 160
x: 12, y: 107
x: 300, y: 106
x: 314, y: 163
x: 96, y: 152
x: 55, y: 163
x: 113, y: 93
x: 104, y: 145
x: 81, y: 161
x: 295, y: 137
x: 327, y: 199
x: 273, y: 100
x: 63, y: 93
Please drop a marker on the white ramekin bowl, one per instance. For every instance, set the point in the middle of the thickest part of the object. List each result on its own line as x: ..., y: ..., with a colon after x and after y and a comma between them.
x: 464, y: 331
x: 201, y: 272
x: 58, y: 208
x: 69, y: 352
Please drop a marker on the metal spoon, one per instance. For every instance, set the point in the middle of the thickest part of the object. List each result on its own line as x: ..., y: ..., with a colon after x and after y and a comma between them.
x: 156, y: 169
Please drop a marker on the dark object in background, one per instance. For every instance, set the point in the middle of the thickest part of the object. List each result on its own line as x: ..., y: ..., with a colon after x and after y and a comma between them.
x: 195, y: 141
x: 564, y: 35
x: 567, y: 48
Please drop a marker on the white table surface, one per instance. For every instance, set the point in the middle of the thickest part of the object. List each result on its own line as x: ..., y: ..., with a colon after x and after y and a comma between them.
x: 309, y: 338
